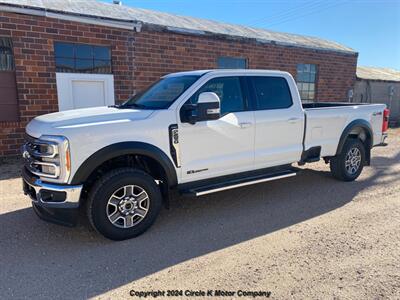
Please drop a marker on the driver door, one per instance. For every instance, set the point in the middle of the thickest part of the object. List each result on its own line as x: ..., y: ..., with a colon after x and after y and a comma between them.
x: 219, y: 147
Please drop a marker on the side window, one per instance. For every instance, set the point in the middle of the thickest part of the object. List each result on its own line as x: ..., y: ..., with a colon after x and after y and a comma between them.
x: 272, y: 92
x: 228, y: 90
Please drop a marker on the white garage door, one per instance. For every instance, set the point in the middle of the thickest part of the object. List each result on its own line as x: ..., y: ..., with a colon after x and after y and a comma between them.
x: 76, y: 90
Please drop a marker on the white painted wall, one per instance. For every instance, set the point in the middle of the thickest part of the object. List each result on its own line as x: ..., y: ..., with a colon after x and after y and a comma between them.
x: 76, y: 90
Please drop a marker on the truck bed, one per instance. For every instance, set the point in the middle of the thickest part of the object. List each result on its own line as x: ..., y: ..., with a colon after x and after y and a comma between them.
x: 326, y: 121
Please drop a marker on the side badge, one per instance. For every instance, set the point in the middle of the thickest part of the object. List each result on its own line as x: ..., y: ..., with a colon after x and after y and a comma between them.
x: 174, y: 144
x: 196, y: 171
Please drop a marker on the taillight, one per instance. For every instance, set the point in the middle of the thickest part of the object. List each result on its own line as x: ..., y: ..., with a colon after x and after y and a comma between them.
x: 385, y: 122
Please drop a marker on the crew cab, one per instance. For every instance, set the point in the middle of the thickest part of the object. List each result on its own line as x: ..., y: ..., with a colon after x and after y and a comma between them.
x: 191, y: 133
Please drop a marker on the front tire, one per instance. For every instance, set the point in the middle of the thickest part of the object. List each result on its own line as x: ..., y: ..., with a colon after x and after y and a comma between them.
x: 124, y: 203
x: 348, y: 165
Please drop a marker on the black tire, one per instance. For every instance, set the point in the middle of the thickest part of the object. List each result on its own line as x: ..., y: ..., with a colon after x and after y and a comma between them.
x: 98, y: 203
x: 338, y: 163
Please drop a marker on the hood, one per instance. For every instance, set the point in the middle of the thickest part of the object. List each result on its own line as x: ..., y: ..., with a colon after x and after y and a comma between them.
x: 79, y: 118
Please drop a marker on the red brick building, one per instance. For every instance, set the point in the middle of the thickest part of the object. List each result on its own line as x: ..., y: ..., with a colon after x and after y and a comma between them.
x: 58, y: 55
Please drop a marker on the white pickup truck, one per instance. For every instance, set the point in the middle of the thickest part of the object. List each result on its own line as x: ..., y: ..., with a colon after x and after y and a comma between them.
x: 195, y: 133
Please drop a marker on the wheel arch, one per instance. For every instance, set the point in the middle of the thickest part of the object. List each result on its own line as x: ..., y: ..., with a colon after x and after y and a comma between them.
x: 97, y: 159
x: 360, y: 129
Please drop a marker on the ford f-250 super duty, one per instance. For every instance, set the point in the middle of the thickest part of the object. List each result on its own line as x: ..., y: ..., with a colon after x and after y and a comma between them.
x: 195, y: 133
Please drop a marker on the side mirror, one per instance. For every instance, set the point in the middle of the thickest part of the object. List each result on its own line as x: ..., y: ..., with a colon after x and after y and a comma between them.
x: 207, y: 108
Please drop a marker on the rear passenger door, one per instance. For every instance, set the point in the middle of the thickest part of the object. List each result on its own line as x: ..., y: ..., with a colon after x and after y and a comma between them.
x: 279, y: 122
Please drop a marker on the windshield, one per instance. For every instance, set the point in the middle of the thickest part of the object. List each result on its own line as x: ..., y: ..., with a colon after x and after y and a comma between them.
x: 163, y: 93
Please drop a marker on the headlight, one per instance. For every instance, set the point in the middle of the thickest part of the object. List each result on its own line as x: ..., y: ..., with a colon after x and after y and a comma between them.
x: 48, y: 157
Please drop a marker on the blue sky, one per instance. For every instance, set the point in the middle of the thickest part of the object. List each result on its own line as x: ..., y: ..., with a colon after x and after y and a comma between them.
x: 371, y: 27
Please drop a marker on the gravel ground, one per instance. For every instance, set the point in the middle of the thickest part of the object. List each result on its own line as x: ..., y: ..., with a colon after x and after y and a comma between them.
x: 309, y: 236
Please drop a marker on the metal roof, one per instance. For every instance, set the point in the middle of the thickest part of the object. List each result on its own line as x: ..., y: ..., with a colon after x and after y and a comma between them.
x: 189, y: 25
x: 373, y: 73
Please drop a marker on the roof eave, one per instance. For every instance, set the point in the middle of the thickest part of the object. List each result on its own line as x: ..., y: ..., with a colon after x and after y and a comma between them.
x: 69, y: 16
x: 377, y: 80
x: 186, y: 31
x: 137, y: 26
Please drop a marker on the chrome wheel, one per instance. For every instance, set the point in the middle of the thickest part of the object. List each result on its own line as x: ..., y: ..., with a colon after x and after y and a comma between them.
x: 128, y: 206
x: 353, y: 161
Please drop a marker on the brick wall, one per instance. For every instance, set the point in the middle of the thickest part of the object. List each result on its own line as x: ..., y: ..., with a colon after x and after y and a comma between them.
x: 33, y: 39
x: 158, y: 53
x: 139, y: 59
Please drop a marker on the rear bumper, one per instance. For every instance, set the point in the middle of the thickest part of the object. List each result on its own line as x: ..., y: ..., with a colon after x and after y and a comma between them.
x: 52, y: 202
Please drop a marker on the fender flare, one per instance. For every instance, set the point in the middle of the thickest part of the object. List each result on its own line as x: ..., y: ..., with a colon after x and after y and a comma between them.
x: 125, y: 148
x: 359, y: 123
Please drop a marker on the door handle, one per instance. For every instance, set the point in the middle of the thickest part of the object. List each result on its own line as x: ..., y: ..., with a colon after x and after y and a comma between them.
x: 293, y: 120
x: 245, y: 125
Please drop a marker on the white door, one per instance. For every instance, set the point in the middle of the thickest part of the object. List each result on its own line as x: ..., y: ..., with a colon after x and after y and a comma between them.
x: 279, y: 123
x: 76, y: 90
x: 219, y: 147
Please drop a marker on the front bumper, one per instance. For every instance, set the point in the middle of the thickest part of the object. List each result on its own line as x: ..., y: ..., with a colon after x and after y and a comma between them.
x: 52, y: 202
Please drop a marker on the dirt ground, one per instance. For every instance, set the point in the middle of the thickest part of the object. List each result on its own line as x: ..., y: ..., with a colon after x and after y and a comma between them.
x: 306, y: 237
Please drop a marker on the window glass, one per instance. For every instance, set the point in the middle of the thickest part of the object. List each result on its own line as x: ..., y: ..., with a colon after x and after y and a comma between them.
x: 82, y: 58
x: 102, y: 66
x: 163, y: 93
x: 101, y: 52
x: 6, y: 55
x: 84, y: 65
x: 66, y: 65
x: 272, y: 92
x: 228, y: 90
x: 64, y: 50
x: 303, y: 77
x: 84, y: 51
x: 231, y: 63
x: 306, y: 79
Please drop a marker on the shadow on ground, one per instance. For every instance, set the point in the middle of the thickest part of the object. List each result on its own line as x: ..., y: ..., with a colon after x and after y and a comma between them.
x: 10, y: 168
x: 50, y: 261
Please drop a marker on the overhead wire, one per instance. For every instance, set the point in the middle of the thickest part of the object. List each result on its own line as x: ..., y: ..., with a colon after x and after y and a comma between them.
x: 283, y: 14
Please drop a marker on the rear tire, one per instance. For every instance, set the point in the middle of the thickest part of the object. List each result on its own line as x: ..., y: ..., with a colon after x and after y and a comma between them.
x: 348, y: 165
x: 124, y: 203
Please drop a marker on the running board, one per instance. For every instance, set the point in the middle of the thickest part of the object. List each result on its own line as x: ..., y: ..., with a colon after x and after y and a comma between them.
x: 233, y: 184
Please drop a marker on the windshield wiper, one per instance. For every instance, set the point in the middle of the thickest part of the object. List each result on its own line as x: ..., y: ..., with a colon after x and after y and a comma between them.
x: 135, y: 105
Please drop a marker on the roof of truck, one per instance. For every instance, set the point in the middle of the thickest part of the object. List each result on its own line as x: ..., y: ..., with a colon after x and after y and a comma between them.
x: 171, y: 22
x: 227, y: 71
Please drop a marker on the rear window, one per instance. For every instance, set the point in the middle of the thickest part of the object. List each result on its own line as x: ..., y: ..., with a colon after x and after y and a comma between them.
x: 272, y: 92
